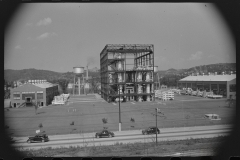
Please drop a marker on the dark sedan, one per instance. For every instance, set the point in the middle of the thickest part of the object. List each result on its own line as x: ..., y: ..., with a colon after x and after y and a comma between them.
x: 38, y: 138
x: 104, y: 133
x: 151, y: 130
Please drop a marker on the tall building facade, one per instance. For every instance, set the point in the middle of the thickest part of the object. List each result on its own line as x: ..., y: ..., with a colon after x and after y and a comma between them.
x: 127, y: 71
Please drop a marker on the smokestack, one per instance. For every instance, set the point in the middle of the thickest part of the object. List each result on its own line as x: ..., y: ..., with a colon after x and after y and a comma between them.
x: 87, y: 72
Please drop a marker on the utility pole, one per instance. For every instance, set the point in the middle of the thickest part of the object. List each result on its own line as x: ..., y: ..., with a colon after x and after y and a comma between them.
x: 156, y: 125
x: 119, y: 108
x: 157, y: 111
x: 159, y: 87
x: 74, y: 85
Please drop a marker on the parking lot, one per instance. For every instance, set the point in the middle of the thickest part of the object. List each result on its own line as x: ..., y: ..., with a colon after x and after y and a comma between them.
x: 87, y: 112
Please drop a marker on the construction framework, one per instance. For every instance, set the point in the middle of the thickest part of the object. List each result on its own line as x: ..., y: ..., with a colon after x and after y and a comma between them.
x: 127, y: 71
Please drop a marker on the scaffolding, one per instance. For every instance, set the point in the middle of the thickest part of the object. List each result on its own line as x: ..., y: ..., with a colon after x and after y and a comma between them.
x: 127, y: 71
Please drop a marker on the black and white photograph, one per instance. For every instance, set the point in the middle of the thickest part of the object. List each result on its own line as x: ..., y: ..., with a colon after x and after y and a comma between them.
x: 119, y: 79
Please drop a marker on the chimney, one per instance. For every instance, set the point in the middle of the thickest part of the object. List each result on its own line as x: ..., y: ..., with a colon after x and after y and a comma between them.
x: 87, y: 72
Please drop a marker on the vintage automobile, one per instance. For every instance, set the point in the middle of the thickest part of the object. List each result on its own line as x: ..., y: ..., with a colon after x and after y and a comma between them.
x: 104, y: 133
x: 151, y: 130
x: 38, y: 138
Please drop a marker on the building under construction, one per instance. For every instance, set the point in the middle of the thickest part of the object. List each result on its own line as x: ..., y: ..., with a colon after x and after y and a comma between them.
x: 127, y: 71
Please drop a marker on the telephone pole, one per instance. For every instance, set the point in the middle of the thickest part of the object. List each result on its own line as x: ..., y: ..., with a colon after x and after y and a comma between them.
x: 156, y: 125
x: 157, y: 111
x: 120, y: 124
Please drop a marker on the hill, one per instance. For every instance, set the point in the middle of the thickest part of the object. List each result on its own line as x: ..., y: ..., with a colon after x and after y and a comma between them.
x: 27, y: 74
x: 219, y: 68
x: 32, y: 74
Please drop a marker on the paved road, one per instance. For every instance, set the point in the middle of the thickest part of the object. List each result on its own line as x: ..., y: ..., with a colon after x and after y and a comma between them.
x: 88, y: 139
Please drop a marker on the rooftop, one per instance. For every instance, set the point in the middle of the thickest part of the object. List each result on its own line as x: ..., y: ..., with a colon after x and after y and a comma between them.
x: 44, y: 85
x: 210, y: 78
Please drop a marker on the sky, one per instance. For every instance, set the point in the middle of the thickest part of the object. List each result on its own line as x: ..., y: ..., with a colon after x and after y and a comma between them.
x: 60, y: 36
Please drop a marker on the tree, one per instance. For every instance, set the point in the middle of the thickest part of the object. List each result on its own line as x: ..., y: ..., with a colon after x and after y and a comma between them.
x: 72, y: 124
x: 95, y: 82
x: 132, y: 120
x: 104, y: 120
x: 40, y: 126
x: 230, y: 101
x: 36, y: 107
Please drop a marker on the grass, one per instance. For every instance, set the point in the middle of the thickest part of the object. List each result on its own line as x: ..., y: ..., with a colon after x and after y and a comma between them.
x: 88, y: 116
x: 135, y: 149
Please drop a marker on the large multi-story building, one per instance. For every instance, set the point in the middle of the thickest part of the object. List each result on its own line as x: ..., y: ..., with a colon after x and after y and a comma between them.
x: 41, y: 94
x: 224, y: 85
x: 127, y: 71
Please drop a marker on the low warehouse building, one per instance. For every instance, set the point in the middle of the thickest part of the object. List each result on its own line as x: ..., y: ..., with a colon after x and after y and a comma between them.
x: 224, y: 85
x: 41, y: 94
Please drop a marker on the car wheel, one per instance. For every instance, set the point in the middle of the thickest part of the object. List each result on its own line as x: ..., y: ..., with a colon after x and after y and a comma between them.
x: 97, y: 136
x: 109, y: 136
x: 43, y: 140
x: 28, y: 141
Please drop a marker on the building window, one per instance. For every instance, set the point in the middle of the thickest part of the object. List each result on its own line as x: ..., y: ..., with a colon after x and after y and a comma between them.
x: 206, y: 87
x: 200, y: 86
x: 16, y: 95
x: 223, y: 89
x: 194, y: 86
x: 39, y: 95
x: 232, y: 87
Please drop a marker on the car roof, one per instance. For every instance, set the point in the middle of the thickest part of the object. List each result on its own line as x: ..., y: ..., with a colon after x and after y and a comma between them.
x: 40, y: 134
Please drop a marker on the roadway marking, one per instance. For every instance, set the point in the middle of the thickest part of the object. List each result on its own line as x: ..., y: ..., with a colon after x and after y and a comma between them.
x: 132, y: 102
x: 114, y: 104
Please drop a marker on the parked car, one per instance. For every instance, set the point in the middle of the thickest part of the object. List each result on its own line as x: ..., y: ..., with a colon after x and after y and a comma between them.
x: 151, y: 130
x: 38, y: 138
x: 104, y: 133
x: 117, y: 99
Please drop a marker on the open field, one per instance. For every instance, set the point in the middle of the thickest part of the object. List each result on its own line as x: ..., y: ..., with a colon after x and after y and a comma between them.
x: 87, y: 112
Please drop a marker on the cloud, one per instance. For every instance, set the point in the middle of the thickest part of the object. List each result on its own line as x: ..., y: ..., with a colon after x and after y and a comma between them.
x: 44, y: 22
x: 196, y: 56
x: 43, y: 36
x: 46, y: 35
x: 18, y: 47
x: 211, y: 55
x: 29, y: 24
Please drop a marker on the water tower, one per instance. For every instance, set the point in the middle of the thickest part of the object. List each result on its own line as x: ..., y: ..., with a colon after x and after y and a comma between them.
x: 77, y: 72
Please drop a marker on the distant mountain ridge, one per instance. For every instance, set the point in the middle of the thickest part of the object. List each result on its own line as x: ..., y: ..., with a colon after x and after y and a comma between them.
x: 219, y: 67
x: 27, y: 74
